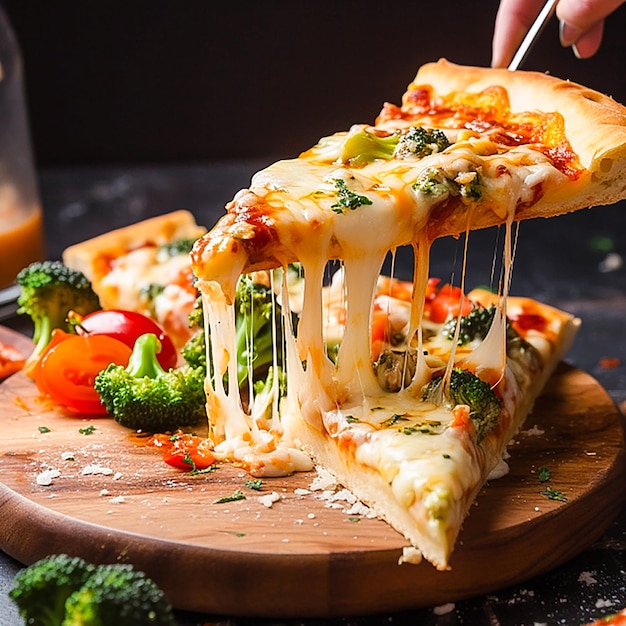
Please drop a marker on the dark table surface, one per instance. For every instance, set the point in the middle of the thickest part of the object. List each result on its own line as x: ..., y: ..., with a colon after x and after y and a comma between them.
x: 574, y: 262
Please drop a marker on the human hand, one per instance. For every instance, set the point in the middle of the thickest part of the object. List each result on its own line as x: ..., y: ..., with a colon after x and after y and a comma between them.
x: 581, y: 25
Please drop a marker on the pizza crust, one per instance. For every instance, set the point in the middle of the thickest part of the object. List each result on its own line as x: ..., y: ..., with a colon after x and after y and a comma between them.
x: 93, y: 257
x: 595, y: 125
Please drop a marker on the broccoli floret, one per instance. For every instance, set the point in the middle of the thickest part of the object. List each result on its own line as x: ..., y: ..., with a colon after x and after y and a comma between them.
x: 174, y: 248
x: 49, y: 290
x: 65, y: 590
x: 118, y: 595
x: 434, y: 182
x: 258, y: 324
x: 143, y: 396
x: 466, y: 388
x: 194, y: 350
x: 420, y: 142
x: 363, y: 146
x: 474, y: 325
x: 41, y: 590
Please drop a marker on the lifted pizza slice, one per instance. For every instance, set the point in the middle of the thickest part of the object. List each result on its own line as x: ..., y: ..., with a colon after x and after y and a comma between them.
x: 416, y: 422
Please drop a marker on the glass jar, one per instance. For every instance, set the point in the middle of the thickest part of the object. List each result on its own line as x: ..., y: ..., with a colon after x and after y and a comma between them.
x: 21, y: 228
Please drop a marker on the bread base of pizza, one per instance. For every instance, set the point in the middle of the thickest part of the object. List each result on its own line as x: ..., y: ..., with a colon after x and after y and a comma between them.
x: 144, y: 267
x: 419, y: 464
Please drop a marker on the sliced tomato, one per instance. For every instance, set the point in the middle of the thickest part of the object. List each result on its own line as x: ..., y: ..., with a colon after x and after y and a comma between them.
x: 127, y: 326
x: 448, y: 301
x: 380, y: 331
x: 67, y: 370
x: 11, y: 360
x: 186, y: 452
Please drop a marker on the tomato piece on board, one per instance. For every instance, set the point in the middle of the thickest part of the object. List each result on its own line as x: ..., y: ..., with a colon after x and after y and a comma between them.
x: 67, y: 370
x: 127, y: 326
x: 11, y: 360
x: 187, y: 452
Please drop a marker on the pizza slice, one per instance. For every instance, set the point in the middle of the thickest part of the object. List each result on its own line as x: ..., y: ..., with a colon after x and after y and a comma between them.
x: 144, y: 267
x: 414, y: 424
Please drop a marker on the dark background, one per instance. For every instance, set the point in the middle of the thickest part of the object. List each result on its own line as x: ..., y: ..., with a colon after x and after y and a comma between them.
x: 112, y: 82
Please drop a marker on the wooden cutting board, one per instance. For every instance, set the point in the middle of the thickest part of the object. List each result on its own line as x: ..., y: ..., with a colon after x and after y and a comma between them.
x: 110, y: 498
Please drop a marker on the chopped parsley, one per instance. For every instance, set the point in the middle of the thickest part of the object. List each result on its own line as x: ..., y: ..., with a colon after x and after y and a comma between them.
x: 88, y: 430
x: 394, y: 420
x: 256, y: 484
x: 347, y: 199
x: 544, y: 474
x: 554, y: 494
x: 44, y: 429
x: 236, y: 495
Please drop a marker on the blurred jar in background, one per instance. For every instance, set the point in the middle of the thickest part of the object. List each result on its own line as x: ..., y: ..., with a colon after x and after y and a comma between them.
x: 21, y: 230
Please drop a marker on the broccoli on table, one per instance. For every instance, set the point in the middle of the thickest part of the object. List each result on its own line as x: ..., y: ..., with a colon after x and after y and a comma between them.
x: 118, y: 595
x: 49, y: 291
x: 143, y: 396
x: 63, y: 590
x: 466, y: 388
x: 41, y: 590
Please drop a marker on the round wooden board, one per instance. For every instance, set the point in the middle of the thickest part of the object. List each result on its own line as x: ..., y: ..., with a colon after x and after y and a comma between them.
x: 115, y: 500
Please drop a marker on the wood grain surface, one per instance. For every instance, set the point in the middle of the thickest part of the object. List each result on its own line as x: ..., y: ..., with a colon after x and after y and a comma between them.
x: 110, y: 498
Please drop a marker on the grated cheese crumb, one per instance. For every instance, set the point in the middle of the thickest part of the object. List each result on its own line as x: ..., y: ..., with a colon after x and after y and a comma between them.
x: 90, y: 470
x: 269, y: 499
x: 444, y: 609
x: 410, y: 554
x: 46, y: 477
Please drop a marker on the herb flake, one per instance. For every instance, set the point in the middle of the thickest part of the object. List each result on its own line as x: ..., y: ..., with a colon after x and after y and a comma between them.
x: 233, y: 497
x: 347, y: 199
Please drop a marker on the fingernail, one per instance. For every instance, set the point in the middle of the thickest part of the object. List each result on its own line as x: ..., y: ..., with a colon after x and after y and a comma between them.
x: 575, y: 51
x: 568, y: 34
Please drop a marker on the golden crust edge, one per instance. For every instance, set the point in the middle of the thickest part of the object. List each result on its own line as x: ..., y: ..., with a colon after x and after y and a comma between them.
x: 157, y: 230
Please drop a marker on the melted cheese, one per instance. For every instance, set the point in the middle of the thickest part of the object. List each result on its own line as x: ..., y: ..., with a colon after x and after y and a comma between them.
x: 425, y: 453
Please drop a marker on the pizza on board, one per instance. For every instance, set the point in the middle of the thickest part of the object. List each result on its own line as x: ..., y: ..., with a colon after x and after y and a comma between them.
x: 468, y: 148
x: 144, y: 267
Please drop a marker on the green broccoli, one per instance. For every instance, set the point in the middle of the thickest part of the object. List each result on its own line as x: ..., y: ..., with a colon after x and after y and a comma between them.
x: 466, y: 388
x: 40, y: 590
x: 434, y: 182
x: 174, y: 248
x: 143, y: 396
x: 420, y: 142
x: 118, y: 595
x: 62, y: 590
x: 363, y: 146
x: 194, y: 350
x: 49, y: 290
x: 258, y: 324
x: 474, y: 325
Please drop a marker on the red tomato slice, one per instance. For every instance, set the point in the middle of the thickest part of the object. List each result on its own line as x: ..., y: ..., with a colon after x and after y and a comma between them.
x: 448, y: 302
x: 67, y: 371
x: 127, y: 326
x: 188, y: 452
x: 11, y: 360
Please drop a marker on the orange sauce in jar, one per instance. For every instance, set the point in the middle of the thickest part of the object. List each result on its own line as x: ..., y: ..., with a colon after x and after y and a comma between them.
x: 21, y: 240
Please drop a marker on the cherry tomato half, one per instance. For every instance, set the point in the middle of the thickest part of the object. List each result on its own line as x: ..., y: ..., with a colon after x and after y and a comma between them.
x: 127, y: 326
x: 448, y: 302
x: 67, y: 370
x: 186, y: 452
